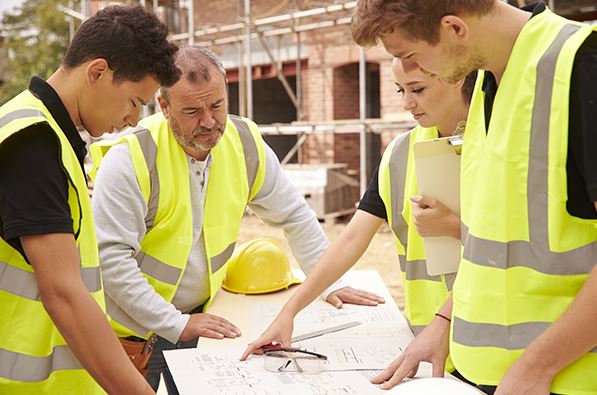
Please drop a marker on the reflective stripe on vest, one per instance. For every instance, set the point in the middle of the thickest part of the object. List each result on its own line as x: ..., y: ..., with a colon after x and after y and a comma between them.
x: 20, y: 367
x: 154, y: 267
x: 512, y: 337
x: 523, y: 261
x: 19, y: 114
x: 34, y: 357
x: 423, y: 294
x: 23, y: 283
x: 164, y: 270
x: 524, y: 253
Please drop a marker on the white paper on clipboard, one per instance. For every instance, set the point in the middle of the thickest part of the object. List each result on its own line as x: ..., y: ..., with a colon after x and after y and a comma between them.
x: 437, y: 166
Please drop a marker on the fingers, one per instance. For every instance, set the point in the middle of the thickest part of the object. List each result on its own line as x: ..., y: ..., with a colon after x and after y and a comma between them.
x: 403, y: 371
x: 397, y: 371
x: 254, y: 346
x: 424, y: 201
x: 220, y: 331
x: 224, y: 324
x: 389, y: 371
x: 354, y: 296
x: 207, y: 325
x: 438, y: 368
x: 334, y: 300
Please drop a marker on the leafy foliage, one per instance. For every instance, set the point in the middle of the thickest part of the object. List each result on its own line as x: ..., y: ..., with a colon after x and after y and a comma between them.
x: 36, y: 36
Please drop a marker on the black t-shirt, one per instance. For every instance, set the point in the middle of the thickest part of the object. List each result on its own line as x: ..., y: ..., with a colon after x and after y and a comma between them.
x: 33, y: 182
x: 581, y: 164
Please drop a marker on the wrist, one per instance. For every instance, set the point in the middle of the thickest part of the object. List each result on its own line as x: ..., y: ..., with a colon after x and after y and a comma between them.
x: 456, y: 227
x: 538, y: 365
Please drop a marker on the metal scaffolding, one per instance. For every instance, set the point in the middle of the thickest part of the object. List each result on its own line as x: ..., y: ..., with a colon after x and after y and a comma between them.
x: 291, y: 23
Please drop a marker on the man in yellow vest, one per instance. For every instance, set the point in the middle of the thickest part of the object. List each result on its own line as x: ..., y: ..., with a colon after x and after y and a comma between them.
x: 169, y: 199
x: 524, y: 312
x: 54, y: 336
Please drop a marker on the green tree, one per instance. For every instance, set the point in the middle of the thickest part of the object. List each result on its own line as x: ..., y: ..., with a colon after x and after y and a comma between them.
x: 36, y: 36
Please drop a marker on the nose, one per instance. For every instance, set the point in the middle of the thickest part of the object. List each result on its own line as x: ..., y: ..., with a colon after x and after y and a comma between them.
x: 133, y: 117
x: 408, y: 101
x: 206, y: 120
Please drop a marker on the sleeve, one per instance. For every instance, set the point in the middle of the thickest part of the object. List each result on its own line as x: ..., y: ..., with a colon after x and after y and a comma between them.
x: 583, y: 102
x: 119, y: 209
x: 279, y: 204
x: 33, y: 186
x: 371, y: 201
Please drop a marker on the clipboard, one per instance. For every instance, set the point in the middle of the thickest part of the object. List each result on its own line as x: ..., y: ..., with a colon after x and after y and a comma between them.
x: 437, y: 165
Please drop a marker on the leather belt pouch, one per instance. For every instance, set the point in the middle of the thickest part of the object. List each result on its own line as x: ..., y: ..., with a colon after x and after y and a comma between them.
x: 139, y: 352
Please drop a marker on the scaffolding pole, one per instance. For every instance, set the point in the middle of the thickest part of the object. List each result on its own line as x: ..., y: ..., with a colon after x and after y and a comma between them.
x: 362, y: 120
x: 191, y: 19
x: 279, y: 74
x: 296, y: 16
x: 249, y: 75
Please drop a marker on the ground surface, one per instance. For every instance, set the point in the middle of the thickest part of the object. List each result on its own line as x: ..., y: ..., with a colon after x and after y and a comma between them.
x: 380, y: 256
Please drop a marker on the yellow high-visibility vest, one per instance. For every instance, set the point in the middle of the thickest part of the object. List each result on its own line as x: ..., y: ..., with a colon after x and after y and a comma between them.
x: 525, y: 257
x: 34, y: 357
x: 423, y: 294
x: 236, y: 175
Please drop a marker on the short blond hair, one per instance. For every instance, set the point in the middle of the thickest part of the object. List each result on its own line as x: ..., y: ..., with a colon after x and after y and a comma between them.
x: 416, y: 19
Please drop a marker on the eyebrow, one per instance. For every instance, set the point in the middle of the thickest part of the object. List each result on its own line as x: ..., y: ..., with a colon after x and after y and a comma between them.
x: 409, y: 83
x: 218, y: 102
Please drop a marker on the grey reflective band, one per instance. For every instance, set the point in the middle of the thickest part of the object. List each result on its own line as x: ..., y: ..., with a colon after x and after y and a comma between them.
x: 509, y: 337
x: 150, y: 153
x: 119, y: 315
x: 416, y: 329
x: 450, y: 278
x: 21, y: 367
x: 157, y: 269
x: 18, y: 114
x: 250, y: 149
x: 219, y: 260
x: 23, y: 283
x: 536, y: 255
x: 397, y: 165
x: 416, y: 270
x: 522, y: 253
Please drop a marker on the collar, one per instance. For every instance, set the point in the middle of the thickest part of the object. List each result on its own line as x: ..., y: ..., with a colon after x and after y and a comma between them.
x: 44, y: 92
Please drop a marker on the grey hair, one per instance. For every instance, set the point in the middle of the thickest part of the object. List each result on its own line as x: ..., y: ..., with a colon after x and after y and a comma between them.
x: 195, y: 63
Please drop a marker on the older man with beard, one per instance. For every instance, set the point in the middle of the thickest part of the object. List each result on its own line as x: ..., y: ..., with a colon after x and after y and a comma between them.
x: 168, y: 201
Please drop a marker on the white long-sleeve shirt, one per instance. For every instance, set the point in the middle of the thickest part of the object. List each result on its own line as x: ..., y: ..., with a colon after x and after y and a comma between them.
x: 119, y: 209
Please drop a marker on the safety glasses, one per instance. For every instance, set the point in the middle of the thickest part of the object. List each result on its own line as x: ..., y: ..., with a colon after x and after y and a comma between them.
x: 293, y: 360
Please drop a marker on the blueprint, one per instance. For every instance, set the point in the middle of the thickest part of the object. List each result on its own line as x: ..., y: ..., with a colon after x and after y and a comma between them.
x: 218, y: 371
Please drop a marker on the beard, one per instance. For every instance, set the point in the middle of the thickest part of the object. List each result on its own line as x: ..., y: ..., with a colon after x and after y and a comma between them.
x: 468, y: 61
x: 190, y: 140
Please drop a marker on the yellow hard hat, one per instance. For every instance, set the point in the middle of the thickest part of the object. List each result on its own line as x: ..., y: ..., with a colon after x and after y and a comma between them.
x: 258, y: 266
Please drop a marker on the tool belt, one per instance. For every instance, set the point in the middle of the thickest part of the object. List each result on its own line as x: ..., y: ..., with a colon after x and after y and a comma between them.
x: 139, y: 351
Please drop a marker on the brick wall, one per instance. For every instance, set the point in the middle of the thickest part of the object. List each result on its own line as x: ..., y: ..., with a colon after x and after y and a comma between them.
x: 346, y: 92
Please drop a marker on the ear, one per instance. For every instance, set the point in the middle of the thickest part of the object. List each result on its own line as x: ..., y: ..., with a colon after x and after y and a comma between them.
x: 454, y: 28
x: 164, y: 106
x: 96, y: 70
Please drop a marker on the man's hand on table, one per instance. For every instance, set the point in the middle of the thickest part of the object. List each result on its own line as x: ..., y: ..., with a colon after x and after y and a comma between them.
x: 431, y: 345
x: 353, y: 296
x: 209, y: 325
x: 279, y: 331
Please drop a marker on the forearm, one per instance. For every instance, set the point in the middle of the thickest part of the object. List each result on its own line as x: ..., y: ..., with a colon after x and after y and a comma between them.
x: 571, y: 336
x: 77, y: 316
x: 337, y: 260
x: 88, y: 334
x: 128, y: 288
x: 119, y: 209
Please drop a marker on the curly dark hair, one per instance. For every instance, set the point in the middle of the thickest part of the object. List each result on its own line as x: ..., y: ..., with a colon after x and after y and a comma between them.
x: 131, y: 39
